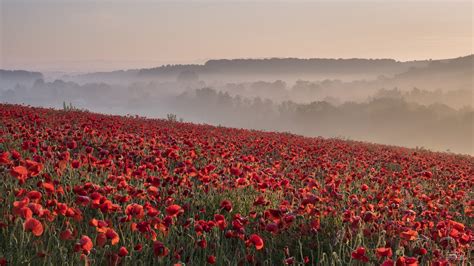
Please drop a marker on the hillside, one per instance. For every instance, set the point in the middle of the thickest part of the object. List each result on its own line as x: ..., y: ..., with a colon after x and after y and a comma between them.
x: 286, y: 66
x: 402, y: 74
x: 11, y: 78
x: 283, y: 68
x: 103, y: 189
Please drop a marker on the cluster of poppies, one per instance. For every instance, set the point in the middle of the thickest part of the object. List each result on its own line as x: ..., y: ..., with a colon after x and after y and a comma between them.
x: 79, y: 187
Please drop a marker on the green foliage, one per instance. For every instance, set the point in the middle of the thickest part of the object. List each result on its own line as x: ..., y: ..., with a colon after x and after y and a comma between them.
x: 171, y: 117
x: 71, y: 108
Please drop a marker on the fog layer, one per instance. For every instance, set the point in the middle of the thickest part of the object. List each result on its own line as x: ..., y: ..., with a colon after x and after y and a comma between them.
x: 416, y: 104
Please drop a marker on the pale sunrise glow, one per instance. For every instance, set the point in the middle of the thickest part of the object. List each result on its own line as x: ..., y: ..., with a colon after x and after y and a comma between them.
x: 94, y: 35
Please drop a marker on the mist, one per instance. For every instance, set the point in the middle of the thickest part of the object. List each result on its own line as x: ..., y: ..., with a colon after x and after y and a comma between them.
x: 423, y: 104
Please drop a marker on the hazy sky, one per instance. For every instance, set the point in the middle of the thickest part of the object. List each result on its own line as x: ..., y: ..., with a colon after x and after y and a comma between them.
x: 113, y: 34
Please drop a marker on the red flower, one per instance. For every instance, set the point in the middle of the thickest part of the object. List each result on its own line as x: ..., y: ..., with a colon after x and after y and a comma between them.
x: 111, y: 234
x: 72, y: 145
x: 122, y: 252
x: 100, y: 239
x: 25, y: 213
x: 34, y: 226
x: 220, y: 220
x: 16, y: 155
x: 256, y: 240
x: 34, y: 195
x: 49, y: 187
x: 34, y: 168
x: 427, y: 174
x: 226, y: 205
x: 138, y: 247
x: 289, y: 261
x: 272, y: 227
x: 409, y: 235
x: 135, y: 210
x: 211, y: 259
x: 84, y: 244
x: 422, y: 251
x: 456, y: 225
x: 407, y: 261
x: 20, y: 173
x: 384, y: 252
x: 441, y: 262
x: 75, y: 164
x: 159, y: 249
x: 241, y: 182
x: 65, y: 235
x: 5, y: 158
x: 359, y: 254
x: 387, y: 262
x: 174, y: 210
x: 202, y: 243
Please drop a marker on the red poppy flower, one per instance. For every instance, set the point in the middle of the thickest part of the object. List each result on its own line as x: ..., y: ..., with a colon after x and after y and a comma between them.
x: 456, y: 225
x: 211, y: 259
x: 85, y: 244
x: 111, y: 234
x: 34, y: 226
x: 387, y: 262
x: 100, y: 239
x: 65, y: 235
x: 407, y: 261
x: 289, y: 261
x: 49, y: 187
x: 441, y: 262
x: 138, y: 247
x: 384, y: 252
x: 220, y: 220
x: 159, y: 249
x: 272, y: 227
x: 364, y: 187
x: 174, y: 210
x: 359, y: 254
x: 26, y: 213
x: 409, y: 235
x: 20, y: 173
x: 123, y: 252
x: 75, y: 164
x: 226, y: 205
x: 16, y: 155
x: 34, y: 168
x: 34, y: 195
x: 135, y: 210
x: 202, y: 243
x: 421, y: 251
x: 256, y: 240
x: 5, y: 158
x: 241, y: 182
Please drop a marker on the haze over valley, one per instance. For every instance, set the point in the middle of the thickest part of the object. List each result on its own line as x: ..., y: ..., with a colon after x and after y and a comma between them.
x: 425, y: 104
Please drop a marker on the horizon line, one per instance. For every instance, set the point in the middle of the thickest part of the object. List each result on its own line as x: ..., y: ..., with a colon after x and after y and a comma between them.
x: 203, y: 62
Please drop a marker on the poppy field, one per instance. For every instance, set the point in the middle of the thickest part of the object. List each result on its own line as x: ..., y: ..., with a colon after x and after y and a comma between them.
x: 79, y: 188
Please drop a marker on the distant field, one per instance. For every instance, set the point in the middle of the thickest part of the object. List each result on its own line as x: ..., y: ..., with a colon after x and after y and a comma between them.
x: 80, y: 188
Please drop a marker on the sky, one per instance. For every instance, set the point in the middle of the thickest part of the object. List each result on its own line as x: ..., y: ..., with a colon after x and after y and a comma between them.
x: 91, y: 35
